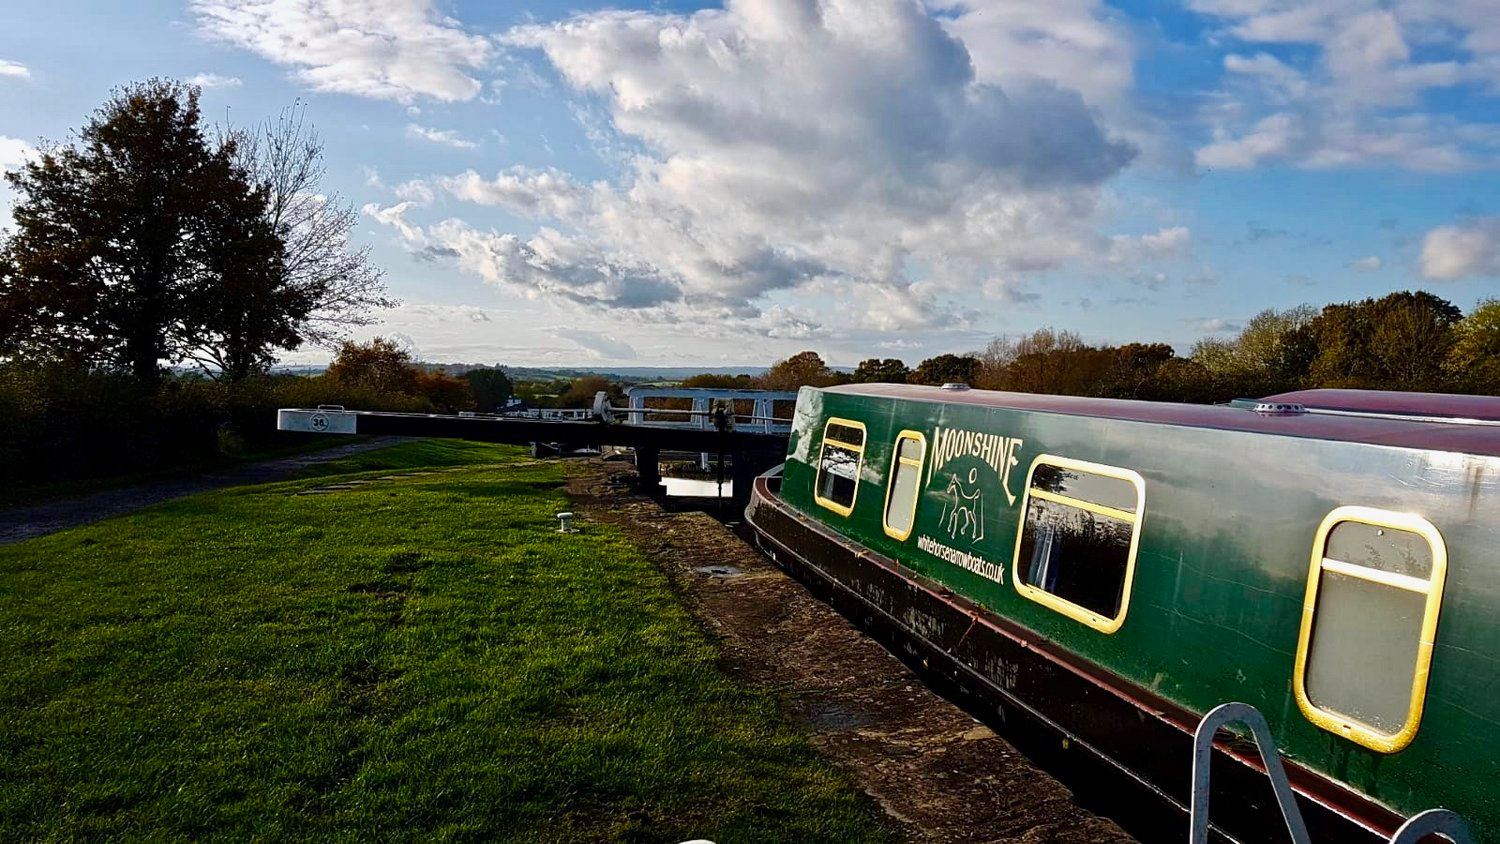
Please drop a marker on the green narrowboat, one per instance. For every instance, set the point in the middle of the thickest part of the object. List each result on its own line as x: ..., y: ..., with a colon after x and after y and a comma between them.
x: 1099, y: 574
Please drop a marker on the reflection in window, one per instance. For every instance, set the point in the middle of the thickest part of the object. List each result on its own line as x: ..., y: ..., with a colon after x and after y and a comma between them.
x: 1076, y: 550
x: 837, y: 482
x: 905, y: 483
x: 1367, y: 628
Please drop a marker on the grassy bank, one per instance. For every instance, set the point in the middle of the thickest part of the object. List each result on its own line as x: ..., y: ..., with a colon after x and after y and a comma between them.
x: 421, y: 658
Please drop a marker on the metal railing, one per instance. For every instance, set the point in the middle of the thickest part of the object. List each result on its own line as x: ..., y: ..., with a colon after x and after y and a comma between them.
x: 763, y: 417
x: 1442, y: 822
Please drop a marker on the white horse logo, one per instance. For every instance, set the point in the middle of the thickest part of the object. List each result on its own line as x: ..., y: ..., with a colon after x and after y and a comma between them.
x: 964, y: 515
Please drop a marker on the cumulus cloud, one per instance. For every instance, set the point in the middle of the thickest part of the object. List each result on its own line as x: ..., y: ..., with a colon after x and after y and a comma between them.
x: 1271, y: 138
x: 14, y: 70
x: 13, y: 153
x: 1453, y: 252
x: 396, y: 50
x: 1367, y: 264
x: 866, y: 152
x: 214, y: 80
x: 446, y: 137
x: 1351, y: 90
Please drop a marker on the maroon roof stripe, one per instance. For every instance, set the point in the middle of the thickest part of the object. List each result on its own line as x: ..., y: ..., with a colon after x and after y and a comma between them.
x: 1404, y: 433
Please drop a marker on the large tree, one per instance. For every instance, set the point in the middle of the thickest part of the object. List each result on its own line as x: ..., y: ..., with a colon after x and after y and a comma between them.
x: 284, y: 157
x: 491, y: 387
x: 945, y: 369
x: 382, y: 365
x: 878, y: 371
x: 1474, y: 361
x: 804, y: 369
x: 146, y: 241
x: 1397, y: 342
x: 121, y: 234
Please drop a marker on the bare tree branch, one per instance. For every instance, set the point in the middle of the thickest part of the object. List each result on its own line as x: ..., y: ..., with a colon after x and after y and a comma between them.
x: 285, y: 157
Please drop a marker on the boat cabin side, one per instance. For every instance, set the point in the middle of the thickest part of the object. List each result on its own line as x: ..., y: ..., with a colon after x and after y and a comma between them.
x: 1345, y: 589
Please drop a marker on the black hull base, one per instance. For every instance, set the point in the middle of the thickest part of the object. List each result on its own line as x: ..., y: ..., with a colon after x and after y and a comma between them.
x: 1125, y: 753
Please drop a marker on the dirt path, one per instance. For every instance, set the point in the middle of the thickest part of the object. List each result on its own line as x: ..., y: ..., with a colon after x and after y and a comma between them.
x: 21, y: 523
x: 941, y: 775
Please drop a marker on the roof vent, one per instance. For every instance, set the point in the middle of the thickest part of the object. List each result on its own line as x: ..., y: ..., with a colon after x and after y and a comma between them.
x: 1279, y: 408
x: 955, y: 386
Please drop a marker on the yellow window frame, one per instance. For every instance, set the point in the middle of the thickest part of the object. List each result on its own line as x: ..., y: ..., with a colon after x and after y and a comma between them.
x: 858, y: 466
x: 1338, y: 723
x: 890, y: 484
x: 1083, y: 615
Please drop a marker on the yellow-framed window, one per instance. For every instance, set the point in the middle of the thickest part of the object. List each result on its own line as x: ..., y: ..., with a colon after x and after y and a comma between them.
x: 1369, y: 619
x: 1080, y: 531
x: 904, y: 484
x: 839, y: 462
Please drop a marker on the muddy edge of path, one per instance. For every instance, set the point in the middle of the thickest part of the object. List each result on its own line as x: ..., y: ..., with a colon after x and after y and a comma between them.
x: 937, y: 772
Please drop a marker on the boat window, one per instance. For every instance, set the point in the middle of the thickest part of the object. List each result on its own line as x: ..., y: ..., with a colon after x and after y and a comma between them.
x: 1080, y: 529
x: 843, y: 451
x: 1368, y: 623
x: 905, y: 483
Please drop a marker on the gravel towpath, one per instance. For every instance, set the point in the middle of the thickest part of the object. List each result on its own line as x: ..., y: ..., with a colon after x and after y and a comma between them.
x: 26, y: 522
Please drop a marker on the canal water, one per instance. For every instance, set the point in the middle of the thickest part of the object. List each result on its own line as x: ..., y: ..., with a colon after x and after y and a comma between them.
x: 696, y: 488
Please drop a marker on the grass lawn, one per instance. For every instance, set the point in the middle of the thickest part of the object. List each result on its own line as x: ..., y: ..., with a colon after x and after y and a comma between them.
x: 421, y: 658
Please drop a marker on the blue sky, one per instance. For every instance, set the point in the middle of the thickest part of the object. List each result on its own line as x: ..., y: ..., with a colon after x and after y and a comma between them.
x: 566, y: 183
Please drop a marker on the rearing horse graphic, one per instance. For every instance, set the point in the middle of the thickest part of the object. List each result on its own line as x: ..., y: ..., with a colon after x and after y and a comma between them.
x: 964, y: 515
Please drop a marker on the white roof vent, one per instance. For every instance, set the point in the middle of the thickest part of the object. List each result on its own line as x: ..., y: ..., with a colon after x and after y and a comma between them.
x: 1279, y: 408
x: 955, y: 386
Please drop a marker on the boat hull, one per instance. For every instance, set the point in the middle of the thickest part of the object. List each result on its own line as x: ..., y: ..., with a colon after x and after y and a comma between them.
x: 1127, y: 752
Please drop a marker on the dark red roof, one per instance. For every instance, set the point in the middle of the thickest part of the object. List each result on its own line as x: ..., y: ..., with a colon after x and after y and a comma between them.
x: 1402, y: 404
x: 1378, y: 430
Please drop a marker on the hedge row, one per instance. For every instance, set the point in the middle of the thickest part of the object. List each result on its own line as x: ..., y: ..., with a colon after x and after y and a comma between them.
x: 64, y: 424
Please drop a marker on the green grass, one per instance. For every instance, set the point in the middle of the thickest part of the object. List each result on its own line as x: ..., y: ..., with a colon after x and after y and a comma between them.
x: 420, y: 659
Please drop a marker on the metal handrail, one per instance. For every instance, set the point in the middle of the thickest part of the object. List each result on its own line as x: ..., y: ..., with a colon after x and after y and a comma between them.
x: 1203, y: 748
x: 1444, y: 822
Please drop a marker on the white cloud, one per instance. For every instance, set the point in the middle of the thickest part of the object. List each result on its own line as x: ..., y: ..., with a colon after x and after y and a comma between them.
x: 214, y: 80
x: 1354, y: 94
x: 1271, y: 138
x: 1277, y: 75
x: 1452, y: 252
x: 14, y: 70
x: 395, y: 216
x: 446, y: 137
x: 416, y: 191
x: 1367, y: 264
x: 550, y: 194
x: 1073, y: 43
x: 1164, y: 244
x: 847, y: 152
x: 1214, y: 325
x: 395, y: 49
x: 13, y: 153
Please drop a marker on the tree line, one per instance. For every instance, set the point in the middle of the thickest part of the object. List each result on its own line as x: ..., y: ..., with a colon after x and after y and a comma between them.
x: 1410, y: 340
x: 153, y: 240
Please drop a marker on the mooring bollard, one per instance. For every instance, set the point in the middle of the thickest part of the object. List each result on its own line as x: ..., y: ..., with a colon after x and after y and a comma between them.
x: 565, y: 522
